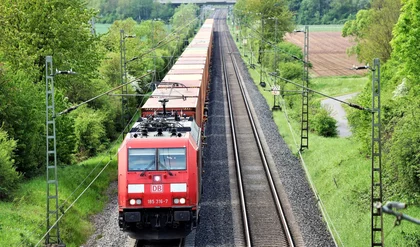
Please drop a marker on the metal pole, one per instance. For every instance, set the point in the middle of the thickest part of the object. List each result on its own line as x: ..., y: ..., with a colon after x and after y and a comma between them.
x: 122, y: 67
x: 154, y: 51
x: 261, y: 60
x: 377, y: 234
x: 276, y: 103
x: 304, y: 134
x: 53, y: 236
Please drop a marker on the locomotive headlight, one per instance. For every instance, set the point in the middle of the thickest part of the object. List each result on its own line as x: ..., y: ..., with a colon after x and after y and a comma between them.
x: 132, y: 202
x: 156, y: 178
x: 176, y: 200
x: 138, y: 201
x: 182, y: 200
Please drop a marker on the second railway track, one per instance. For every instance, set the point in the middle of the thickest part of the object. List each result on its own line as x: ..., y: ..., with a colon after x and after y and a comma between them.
x: 264, y: 221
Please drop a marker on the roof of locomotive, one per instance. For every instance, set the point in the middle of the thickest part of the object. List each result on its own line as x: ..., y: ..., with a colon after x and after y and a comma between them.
x: 160, y: 126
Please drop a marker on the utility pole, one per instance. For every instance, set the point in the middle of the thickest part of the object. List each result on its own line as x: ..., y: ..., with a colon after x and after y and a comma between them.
x: 276, y: 94
x: 260, y: 55
x: 124, y: 89
x: 123, y: 67
x: 52, y: 237
x: 304, y: 134
x: 154, y: 51
x: 377, y: 234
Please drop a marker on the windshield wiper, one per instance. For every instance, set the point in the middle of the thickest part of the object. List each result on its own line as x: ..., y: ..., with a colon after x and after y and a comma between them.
x: 147, y: 168
x: 166, y: 168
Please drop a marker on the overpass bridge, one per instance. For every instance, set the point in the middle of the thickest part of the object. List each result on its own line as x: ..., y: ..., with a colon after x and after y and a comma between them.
x: 199, y: 2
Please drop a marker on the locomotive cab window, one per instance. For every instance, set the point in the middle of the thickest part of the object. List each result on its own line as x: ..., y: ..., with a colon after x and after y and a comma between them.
x: 141, y: 159
x: 172, y: 159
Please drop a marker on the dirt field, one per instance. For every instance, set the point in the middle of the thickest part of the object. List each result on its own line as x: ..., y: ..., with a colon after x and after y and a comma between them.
x: 327, y: 53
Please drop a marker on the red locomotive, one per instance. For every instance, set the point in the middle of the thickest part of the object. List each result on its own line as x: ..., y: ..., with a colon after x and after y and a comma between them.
x: 159, y: 161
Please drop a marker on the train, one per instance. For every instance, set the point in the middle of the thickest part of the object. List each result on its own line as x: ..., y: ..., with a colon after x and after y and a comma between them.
x: 160, y: 159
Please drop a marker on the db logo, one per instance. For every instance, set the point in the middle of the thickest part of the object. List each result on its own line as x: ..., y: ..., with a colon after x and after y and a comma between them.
x: 157, y: 188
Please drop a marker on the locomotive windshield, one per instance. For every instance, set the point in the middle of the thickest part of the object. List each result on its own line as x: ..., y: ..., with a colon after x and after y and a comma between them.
x: 153, y: 159
x: 172, y: 159
x: 141, y: 159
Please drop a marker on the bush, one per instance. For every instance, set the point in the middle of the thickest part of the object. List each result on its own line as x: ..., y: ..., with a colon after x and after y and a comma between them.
x: 9, y: 177
x: 22, y: 116
x: 324, y: 124
x: 402, y: 153
x: 90, y: 132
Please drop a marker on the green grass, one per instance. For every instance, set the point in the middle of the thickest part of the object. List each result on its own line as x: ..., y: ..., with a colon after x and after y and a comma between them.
x: 23, y: 221
x: 101, y: 28
x: 337, y: 86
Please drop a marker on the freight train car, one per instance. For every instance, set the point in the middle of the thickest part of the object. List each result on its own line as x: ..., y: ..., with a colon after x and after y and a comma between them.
x: 159, y: 161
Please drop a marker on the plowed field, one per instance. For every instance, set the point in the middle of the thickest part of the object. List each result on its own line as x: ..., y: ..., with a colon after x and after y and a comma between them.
x: 327, y: 53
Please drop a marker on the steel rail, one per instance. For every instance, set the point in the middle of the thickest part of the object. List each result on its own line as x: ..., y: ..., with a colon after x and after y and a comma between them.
x: 247, y: 232
x: 260, y: 148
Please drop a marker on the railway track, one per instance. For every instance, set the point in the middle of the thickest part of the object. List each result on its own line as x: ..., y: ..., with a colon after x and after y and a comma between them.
x: 160, y: 243
x: 263, y: 217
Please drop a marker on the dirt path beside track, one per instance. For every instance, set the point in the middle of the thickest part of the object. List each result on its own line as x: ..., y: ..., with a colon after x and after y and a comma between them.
x: 339, y: 114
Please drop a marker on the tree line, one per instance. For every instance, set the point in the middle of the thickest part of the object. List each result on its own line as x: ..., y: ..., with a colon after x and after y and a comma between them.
x: 32, y: 30
x: 309, y: 12
x: 138, y: 10
x: 389, y: 30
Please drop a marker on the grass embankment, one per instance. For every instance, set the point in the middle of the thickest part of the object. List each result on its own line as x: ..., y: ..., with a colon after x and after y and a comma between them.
x: 341, y: 174
x: 23, y: 220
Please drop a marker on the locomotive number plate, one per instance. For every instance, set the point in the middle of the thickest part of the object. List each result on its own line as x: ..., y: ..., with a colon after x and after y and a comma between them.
x: 157, y: 188
x: 157, y: 201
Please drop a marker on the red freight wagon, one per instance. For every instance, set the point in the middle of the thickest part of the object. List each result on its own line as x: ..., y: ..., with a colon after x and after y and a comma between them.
x: 159, y: 161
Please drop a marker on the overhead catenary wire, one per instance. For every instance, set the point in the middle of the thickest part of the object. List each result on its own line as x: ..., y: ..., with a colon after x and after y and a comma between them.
x: 163, y: 42
x: 325, y: 95
x: 100, y: 95
x: 71, y: 205
x: 90, y: 173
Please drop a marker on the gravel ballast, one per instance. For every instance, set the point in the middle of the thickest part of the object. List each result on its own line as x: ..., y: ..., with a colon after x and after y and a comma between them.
x: 219, y: 220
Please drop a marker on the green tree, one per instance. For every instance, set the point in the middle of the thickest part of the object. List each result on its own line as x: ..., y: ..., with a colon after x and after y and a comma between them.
x: 407, y: 40
x: 8, y: 175
x: 22, y: 115
x: 372, y: 30
x: 324, y: 124
x: 270, y: 15
x: 402, y: 149
x: 326, y: 11
x: 30, y: 31
x: 139, y: 10
x: 36, y: 28
x: 402, y: 124
x: 400, y: 107
x: 89, y: 131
